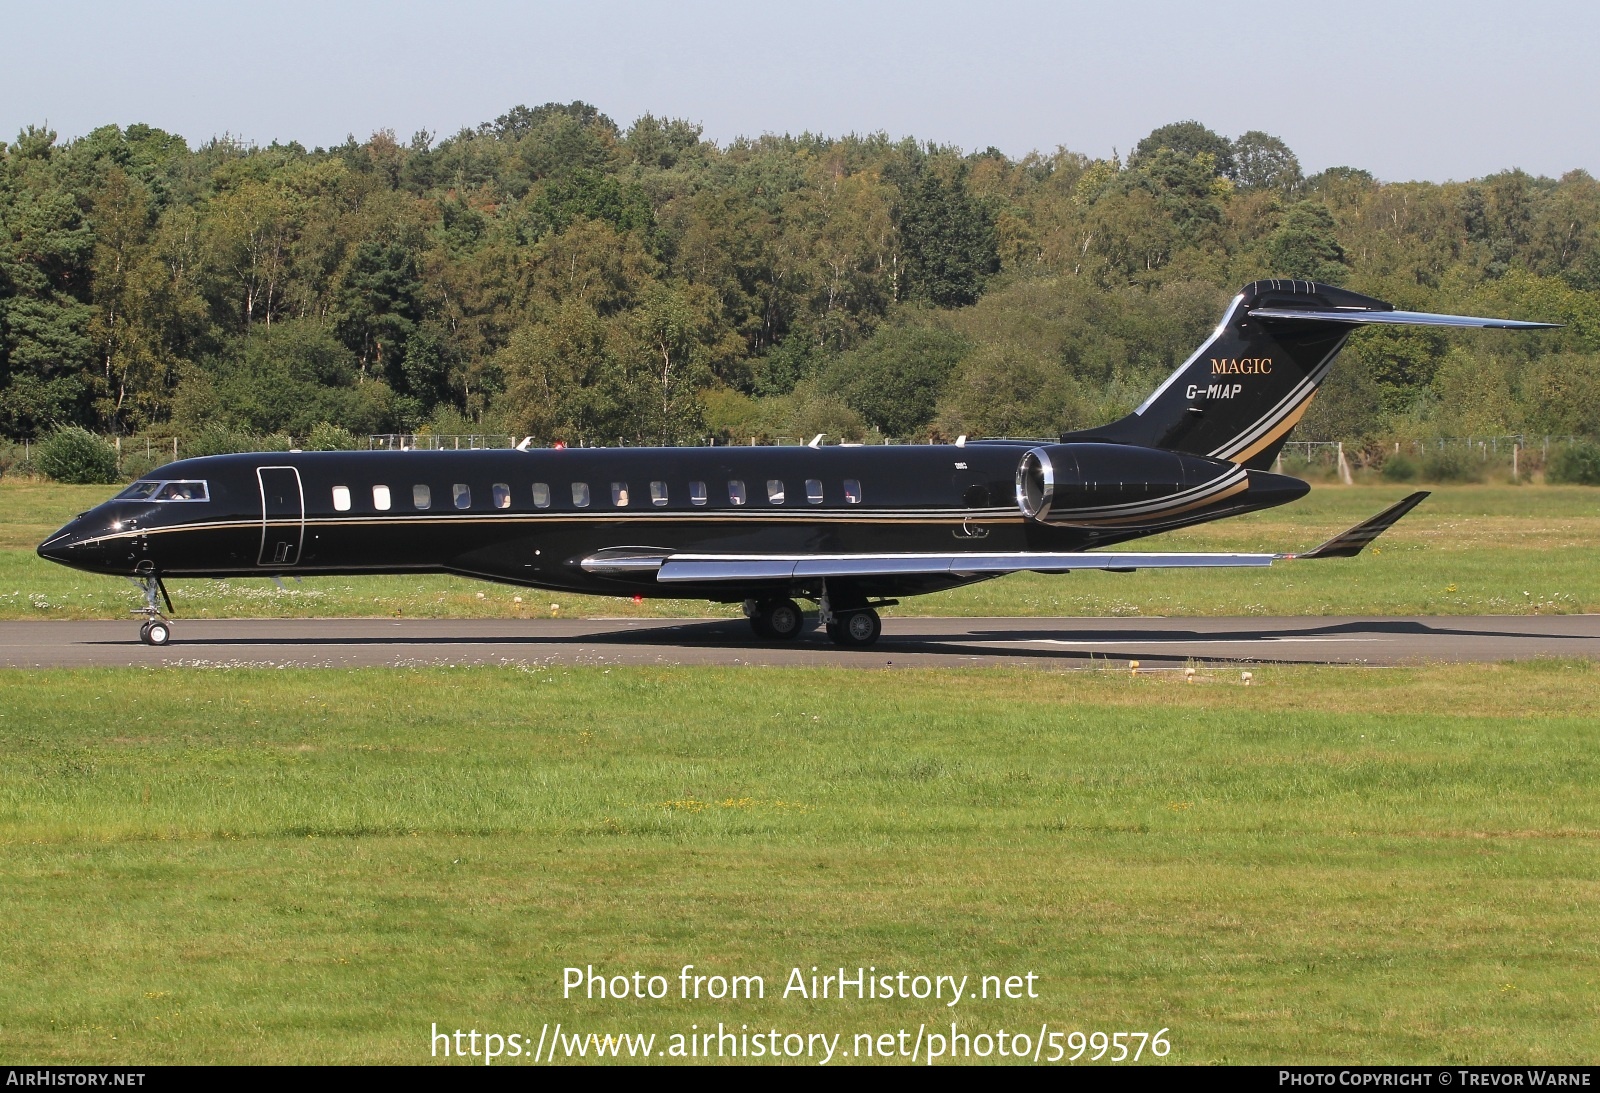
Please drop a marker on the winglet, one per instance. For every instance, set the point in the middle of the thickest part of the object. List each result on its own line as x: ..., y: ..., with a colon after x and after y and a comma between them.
x: 1347, y: 544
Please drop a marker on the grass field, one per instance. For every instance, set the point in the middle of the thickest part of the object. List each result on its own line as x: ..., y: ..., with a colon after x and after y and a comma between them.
x: 1467, y: 550
x: 287, y: 865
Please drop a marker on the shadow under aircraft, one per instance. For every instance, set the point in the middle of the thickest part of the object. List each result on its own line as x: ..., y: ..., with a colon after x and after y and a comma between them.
x: 850, y: 528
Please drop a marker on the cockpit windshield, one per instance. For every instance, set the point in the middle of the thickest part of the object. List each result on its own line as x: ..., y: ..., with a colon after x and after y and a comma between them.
x: 188, y: 490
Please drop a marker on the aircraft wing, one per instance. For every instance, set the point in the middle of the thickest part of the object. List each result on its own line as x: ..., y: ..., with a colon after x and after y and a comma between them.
x: 745, y: 567
x: 671, y: 567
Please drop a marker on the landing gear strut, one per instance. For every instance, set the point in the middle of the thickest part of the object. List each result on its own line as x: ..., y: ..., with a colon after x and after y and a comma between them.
x: 155, y: 630
x: 852, y: 627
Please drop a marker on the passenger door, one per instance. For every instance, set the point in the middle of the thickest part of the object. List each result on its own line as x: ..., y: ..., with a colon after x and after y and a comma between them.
x: 283, y: 516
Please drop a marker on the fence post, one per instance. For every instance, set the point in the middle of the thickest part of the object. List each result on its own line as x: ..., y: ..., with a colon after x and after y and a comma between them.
x: 1344, y: 467
x: 174, y: 448
x: 1515, y: 447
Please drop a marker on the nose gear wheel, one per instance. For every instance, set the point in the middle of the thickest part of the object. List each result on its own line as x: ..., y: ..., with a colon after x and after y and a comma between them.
x: 156, y: 629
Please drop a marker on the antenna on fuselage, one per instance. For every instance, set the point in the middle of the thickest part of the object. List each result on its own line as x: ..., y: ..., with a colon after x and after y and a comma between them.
x: 816, y: 441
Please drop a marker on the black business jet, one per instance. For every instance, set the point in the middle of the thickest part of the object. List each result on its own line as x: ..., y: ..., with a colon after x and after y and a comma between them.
x: 849, y: 527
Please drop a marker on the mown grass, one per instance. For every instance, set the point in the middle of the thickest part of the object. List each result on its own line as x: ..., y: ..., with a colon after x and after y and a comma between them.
x: 1467, y: 550
x: 252, y: 865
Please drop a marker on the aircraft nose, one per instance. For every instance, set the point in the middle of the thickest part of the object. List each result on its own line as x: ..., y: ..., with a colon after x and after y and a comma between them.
x: 57, y: 548
x: 72, y: 545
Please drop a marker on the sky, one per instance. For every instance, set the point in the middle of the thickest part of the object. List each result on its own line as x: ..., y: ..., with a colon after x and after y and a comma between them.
x: 1408, y: 89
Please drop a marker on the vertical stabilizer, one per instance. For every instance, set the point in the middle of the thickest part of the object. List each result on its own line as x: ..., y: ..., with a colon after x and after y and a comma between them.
x: 1252, y: 381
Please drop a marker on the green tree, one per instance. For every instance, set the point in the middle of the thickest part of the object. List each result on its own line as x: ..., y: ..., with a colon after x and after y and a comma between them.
x: 378, y: 306
x: 46, y: 352
x: 78, y: 456
x: 1304, y: 245
x: 894, y: 380
x: 947, y: 238
x: 1263, y: 162
x: 1188, y: 139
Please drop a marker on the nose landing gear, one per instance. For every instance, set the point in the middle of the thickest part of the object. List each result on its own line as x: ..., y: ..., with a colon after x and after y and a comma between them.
x: 156, y: 629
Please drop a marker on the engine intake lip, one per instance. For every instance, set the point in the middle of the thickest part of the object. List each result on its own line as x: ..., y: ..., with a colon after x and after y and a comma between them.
x: 1036, y: 485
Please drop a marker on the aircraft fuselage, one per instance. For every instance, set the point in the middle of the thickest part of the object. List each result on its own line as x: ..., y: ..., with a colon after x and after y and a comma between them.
x: 551, y: 518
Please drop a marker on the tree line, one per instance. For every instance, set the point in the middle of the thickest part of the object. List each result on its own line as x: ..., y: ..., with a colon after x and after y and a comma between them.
x: 553, y: 274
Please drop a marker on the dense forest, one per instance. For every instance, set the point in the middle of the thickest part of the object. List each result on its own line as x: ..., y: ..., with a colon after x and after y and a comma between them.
x: 553, y: 274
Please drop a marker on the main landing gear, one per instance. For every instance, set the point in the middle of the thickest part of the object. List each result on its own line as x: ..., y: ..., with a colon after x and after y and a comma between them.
x: 858, y: 628
x: 155, y: 630
x: 775, y: 620
x: 782, y: 620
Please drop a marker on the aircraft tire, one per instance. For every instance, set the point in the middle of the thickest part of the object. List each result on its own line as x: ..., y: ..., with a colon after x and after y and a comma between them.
x: 158, y: 633
x: 781, y: 620
x: 144, y: 632
x: 856, y: 629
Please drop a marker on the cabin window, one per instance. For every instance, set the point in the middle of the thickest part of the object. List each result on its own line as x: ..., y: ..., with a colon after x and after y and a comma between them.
x: 775, y: 490
x: 697, y: 493
x: 541, y: 495
x: 380, y: 498
x: 814, y: 490
x: 422, y: 497
x: 580, y: 494
x: 461, y: 494
x: 658, y: 493
x: 736, y: 492
x: 619, y: 494
x: 502, y: 495
x: 341, y: 498
x: 852, y: 491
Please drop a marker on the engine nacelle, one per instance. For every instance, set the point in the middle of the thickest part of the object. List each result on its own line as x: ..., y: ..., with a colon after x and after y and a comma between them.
x: 1095, y: 484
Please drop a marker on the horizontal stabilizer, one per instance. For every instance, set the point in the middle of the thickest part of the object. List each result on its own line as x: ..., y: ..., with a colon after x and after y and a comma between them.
x: 1394, y: 318
x: 1347, y: 544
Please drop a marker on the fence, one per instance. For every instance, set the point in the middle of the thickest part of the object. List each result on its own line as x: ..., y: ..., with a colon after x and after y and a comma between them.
x: 1518, y: 453
x: 432, y: 442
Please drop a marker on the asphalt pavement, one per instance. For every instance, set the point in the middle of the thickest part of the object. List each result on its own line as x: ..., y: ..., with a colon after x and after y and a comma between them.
x: 1157, y: 643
